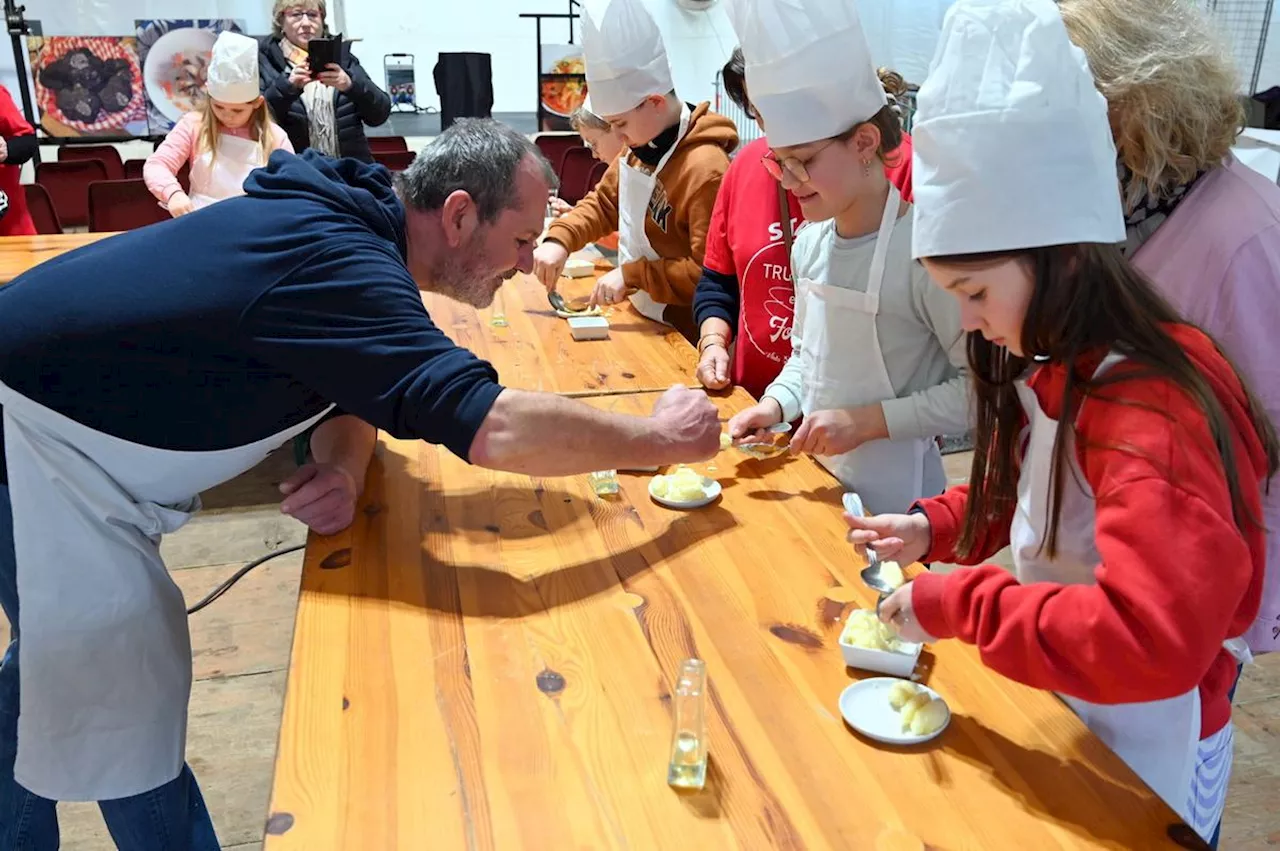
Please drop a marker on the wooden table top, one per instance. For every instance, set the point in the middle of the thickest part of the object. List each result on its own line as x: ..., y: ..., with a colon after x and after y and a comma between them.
x: 20, y: 253
x: 485, y: 661
x: 535, y: 351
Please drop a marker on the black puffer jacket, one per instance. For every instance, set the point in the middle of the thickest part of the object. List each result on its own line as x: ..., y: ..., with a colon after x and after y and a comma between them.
x: 364, y: 103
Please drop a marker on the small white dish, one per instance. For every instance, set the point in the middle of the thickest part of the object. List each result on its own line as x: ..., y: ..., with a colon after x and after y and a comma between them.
x: 710, y: 490
x: 577, y: 267
x: 898, y: 664
x: 589, y: 327
x: 865, y: 705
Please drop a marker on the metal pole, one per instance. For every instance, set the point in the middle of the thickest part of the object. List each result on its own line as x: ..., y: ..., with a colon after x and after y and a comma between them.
x: 17, y: 26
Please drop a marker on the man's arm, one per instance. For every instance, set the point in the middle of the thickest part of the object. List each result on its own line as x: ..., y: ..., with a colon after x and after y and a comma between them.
x: 347, y: 442
x: 546, y: 435
x: 323, y: 494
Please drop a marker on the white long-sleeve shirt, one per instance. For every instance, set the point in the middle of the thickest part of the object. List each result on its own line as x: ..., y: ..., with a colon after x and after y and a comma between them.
x: 918, y: 326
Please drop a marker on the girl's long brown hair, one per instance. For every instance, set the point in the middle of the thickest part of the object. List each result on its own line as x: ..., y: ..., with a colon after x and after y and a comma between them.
x: 1085, y: 298
x: 259, y: 129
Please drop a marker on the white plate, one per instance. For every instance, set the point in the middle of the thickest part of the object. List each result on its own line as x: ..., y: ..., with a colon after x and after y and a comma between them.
x: 160, y: 61
x: 865, y: 705
x: 710, y: 490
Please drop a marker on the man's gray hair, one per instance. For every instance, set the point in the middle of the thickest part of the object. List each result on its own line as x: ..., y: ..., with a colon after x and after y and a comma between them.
x: 479, y: 156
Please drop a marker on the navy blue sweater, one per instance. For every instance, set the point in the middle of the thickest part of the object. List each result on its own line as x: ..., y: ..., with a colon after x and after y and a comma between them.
x: 231, y: 324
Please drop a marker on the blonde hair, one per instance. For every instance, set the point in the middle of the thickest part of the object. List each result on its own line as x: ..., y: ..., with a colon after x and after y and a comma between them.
x: 1170, y: 84
x: 259, y: 129
x: 278, y: 10
x: 585, y: 118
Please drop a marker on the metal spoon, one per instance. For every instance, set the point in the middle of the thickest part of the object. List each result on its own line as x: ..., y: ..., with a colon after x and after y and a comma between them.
x: 557, y: 301
x: 761, y: 449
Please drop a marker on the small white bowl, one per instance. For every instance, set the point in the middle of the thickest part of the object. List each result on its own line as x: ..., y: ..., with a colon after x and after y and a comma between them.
x: 900, y: 664
x: 865, y: 705
x: 589, y: 327
x: 710, y: 490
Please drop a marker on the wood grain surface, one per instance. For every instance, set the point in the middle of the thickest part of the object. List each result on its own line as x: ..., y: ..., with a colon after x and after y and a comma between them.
x: 485, y: 661
x: 20, y: 253
x: 535, y: 351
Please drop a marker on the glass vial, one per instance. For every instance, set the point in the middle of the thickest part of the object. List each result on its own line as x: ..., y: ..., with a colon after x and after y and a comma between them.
x: 604, y: 482
x: 688, y: 766
x: 498, y: 318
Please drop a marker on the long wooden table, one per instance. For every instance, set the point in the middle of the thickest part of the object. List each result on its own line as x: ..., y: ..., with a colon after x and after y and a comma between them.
x: 20, y: 253
x: 535, y: 350
x: 486, y: 661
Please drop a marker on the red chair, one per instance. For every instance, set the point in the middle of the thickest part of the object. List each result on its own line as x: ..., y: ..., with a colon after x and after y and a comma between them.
x: 68, y: 185
x: 116, y: 205
x: 575, y: 173
x: 133, y: 169
x: 394, y: 160
x: 107, y: 153
x: 553, y: 146
x: 385, y: 144
x: 40, y: 205
x: 597, y: 172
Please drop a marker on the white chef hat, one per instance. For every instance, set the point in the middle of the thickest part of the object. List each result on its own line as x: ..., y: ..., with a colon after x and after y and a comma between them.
x: 626, y: 60
x: 808, y: 67
x: 233, y: 70
x: 1013, y: 148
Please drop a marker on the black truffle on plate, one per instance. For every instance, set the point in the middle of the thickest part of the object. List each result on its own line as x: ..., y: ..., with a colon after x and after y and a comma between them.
x: 78, y: 103
x: 56, y: 75
x: 112, y: 67
x: 117, y: 93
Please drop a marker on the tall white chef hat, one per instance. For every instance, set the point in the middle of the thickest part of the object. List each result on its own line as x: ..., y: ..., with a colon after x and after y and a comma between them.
x: 808, y: 67
x: 1012, y: 144
x: 233, y: 70
x: 626, y: 60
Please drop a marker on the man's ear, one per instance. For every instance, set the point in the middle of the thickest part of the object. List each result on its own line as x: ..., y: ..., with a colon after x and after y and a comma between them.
x: 459, y: 218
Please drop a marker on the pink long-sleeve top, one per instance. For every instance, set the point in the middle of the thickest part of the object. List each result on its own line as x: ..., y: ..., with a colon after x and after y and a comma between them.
x: 1217, y: 260
x: 181, y: 147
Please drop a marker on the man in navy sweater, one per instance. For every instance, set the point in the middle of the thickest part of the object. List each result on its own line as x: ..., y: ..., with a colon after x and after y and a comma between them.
x: 139, y: 371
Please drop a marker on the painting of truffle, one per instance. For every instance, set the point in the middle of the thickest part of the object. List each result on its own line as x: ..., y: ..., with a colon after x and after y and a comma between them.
x: 88, y: 86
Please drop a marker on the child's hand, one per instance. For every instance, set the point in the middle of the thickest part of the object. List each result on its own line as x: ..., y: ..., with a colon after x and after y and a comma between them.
x: 758, y: 416
x: 559, y: 206
x: 839, y: 431
x: 905, y: 538
x: 610, y: 289
x: 299, y: 77
x: 898, y: 610
x: 180, y: 204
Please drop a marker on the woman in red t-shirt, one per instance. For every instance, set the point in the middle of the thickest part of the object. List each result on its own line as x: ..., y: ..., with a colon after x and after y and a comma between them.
x: 746, y: 292
x: 17, y: 145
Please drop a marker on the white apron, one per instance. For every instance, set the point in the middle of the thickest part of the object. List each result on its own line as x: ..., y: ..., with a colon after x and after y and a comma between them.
x: 844, y: 368
x: 1158, y: 739
x: 635, y: 188
x: 105, y: 655
x: 214, y: 180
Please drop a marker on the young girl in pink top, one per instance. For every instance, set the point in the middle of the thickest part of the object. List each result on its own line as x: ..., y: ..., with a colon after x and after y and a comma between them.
x: 225, y: 140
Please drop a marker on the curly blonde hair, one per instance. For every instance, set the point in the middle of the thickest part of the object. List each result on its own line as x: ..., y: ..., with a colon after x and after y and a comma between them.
x: 1170, y: 84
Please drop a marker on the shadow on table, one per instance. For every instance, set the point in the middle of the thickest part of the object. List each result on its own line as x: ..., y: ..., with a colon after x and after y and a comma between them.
x: 1042, y: 783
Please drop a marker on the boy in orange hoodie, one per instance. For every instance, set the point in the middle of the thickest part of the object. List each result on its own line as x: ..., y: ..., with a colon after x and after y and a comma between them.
x: 660, y: 194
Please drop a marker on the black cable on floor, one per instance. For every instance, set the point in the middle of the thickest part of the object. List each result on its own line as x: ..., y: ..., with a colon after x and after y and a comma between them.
x: 240, y: 574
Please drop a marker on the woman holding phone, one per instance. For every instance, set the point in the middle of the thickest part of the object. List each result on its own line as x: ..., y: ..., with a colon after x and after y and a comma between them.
x: 322, y: 108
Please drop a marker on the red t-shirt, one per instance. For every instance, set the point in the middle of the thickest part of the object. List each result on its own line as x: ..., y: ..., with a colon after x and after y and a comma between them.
x: 16, y: 222
x: 745, y: 240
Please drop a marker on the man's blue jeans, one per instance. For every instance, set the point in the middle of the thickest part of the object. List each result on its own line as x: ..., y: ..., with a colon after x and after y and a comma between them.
x: 170, y: 818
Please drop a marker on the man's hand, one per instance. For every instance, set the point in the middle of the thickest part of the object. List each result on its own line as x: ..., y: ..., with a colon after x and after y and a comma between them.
x: 610, y: 289
x: 323, y: 496
x: 548, y: 262
x: 689, y: 422
x: 180, y: 204
x: 334, y: 76
x: 839, y: 431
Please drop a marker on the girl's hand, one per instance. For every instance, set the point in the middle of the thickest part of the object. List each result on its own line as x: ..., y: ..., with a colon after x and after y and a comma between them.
x: 839, y: 431
x: 299, y: 77
x: 559, y: 206
x: 713, y: 367
x: 898, y: 610
x: 334, y: 76
x: 610, y: 289
x: 758, y: 416
x: 180, y: 204
x: 903, y: 537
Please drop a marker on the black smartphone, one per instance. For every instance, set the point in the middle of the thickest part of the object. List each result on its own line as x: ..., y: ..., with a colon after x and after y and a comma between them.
x: 322, y: 52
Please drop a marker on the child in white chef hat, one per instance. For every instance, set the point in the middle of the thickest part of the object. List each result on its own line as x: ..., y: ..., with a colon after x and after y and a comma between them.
x: 877, y: 354
x: 1117, y: 451
x: 230, y: 135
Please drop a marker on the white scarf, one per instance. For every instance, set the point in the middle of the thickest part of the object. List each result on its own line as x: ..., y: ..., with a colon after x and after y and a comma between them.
x: 317, y: 99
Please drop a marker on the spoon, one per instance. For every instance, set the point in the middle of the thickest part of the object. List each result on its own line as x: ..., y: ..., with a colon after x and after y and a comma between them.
x: 557, y: 301
x: 762, y: 449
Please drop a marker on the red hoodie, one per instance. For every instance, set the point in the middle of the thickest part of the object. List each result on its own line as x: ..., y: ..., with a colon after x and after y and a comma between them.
x: 1177, y: 576
x: 16, y: 222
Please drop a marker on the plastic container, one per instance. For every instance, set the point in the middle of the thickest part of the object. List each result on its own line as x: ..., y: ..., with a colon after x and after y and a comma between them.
x: 589, y: 327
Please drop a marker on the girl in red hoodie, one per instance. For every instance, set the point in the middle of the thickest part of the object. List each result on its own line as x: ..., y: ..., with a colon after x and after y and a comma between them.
x: 1118, y: 453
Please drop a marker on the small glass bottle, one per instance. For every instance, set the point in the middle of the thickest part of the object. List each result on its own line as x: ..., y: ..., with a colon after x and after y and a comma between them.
x: 604, y: 482
x: 498, y: 318
x: 688, y: 766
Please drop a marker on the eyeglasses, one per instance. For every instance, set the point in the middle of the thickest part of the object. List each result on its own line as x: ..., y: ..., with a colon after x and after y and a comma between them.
x: 798, y: 169
x: 296, y: 15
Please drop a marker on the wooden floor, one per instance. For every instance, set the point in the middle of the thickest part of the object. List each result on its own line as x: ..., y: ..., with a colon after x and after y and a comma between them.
x: 241, y: 646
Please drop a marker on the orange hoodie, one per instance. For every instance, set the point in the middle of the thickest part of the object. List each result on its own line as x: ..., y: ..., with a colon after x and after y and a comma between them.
x: 679, y: 211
